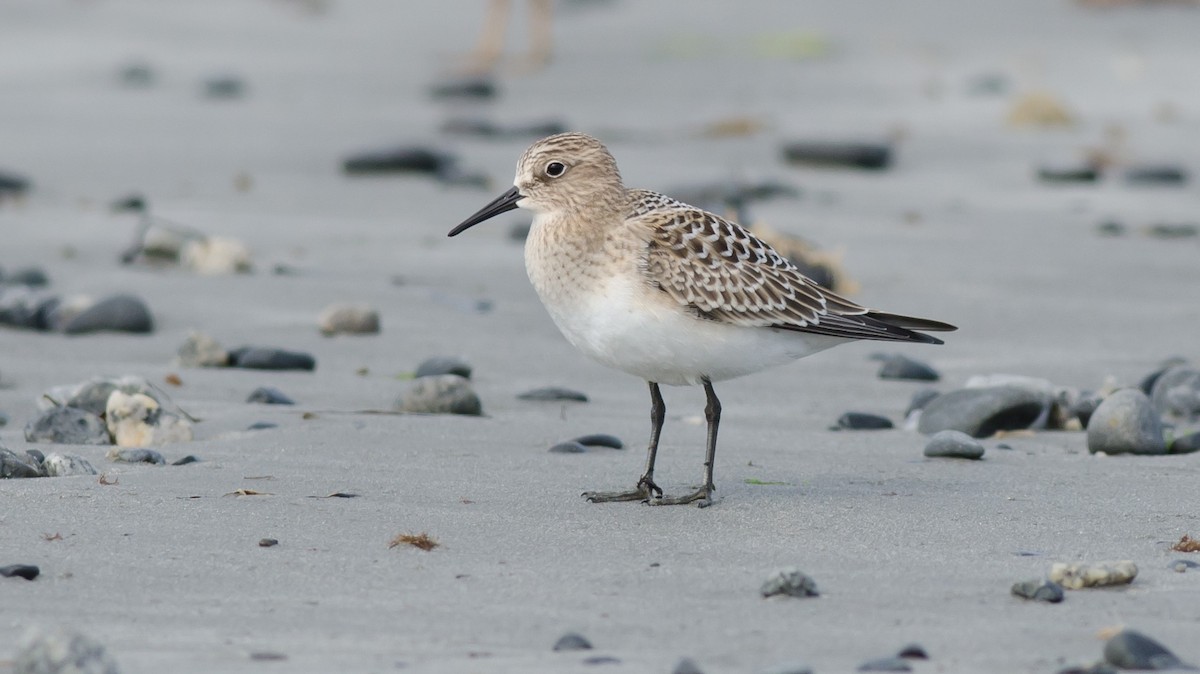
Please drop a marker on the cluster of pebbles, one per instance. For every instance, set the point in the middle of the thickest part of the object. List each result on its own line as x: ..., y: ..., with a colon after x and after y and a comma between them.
x: 26, y: 302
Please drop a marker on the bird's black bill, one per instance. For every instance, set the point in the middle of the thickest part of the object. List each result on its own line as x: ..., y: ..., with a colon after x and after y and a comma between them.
x: 501, y: 204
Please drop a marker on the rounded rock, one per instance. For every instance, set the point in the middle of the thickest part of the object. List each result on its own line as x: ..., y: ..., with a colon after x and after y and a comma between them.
x: 62, y: 465
x: 200, y: 350
x: 600, y: 440
x: 67, y: 426
x: 568, y: 447
x: 980, y: 412
x: 687, y: 666
x: 1125, y: 423
x: 862, y: 421
x: 1134, y: 650
x: 899, y: 366
x: 440, y: 394
x: 62, y: 652
x: 1177, y: 392
x: 138, y: 420
x: 1038, y: 590
x: 269, y: 395
x: 119, y: 313
x: 1184, y: 444
x: 953, y: 445
x: 893, y: 664
x: 13, y: 465
x: 267, y: 358
x: 348, y: 319
x: 572, y: 641
x: 789, y: 581
x: 119, y: 455
x: 26, y: 571
x: 1079, y: 575
x: 553, y: 394
x: 440, y: 365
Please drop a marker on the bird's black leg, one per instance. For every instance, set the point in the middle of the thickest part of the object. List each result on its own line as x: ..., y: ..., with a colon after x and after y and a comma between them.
x: 702, y: 497
x: 645, y: 489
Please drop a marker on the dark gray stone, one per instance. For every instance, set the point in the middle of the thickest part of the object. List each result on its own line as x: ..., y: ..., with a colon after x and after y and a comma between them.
x: 1055, y: 174
x: 67, y: 426
x: 62, y: 652
x: 899, y: 366
x: 224, y: 87
x: 3, y: 419
x: 261, y: 426
x: 190, y: 458
x: 572, y: 641
x: 687, y: 666
x: 553, y: 393
x: 1134, y: 650
x: 1039, y: 590
x: 1147, y: 383
x: 568, y: 447
x: 1184, y: 444
x: 913, y: 652
x: 953, y: 445
x: 444, y: 365
x: 1176, y: 392
x: 601, y: 660
x: 269, y: 395
x: 30, y: 276
x: 13, y: 465
x: 119, y: 313
x: 869, y: 156
x: 1162, y: 174
x: 483, y: 128
x: 440, y: 394
x: 267, y: 358
x: 26, y: 571
x: 401, y: 160
x: 980, y: 412
x: 863, y: 421
x: 22, y: 307
x: 1173, y: 230
x: 1125, y: 423
x: 12, y: 185
x: 124, y: 455
x: 1083, y: 407
x: 789, y: 581
x: 600, y: 440
x: 886, y: 665
x: 470, y: 87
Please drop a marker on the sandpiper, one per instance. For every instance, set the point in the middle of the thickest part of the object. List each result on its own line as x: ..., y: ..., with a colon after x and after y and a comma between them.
x: 668, y: 292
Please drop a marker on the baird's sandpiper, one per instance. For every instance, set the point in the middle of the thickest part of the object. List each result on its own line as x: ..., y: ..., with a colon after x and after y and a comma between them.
x: 668, y: 292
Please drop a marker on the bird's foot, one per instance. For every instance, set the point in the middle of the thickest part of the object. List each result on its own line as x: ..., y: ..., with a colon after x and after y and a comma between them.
x: 645, y: 490
x: 702, y: 497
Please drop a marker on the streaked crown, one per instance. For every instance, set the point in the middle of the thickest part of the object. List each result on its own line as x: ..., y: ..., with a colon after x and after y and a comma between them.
x: 569, y: 172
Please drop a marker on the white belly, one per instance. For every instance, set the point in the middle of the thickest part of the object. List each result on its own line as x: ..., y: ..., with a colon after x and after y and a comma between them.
x: 622, y: 323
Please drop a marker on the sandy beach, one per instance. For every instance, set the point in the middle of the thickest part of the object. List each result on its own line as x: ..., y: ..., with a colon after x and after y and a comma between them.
x: 163, y: 567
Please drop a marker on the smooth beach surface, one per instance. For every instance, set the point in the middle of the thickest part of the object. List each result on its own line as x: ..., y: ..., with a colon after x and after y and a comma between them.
x: 163, y: 567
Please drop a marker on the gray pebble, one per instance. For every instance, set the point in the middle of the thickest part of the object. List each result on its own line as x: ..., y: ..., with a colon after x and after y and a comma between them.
x: 860, y: 155
x: 119, y: 313
x: 67, y: 426
x: 190, y: 458
x: 572, y: 641
x: 3, y: 419
x: 789, y: 581
x: 438, y: 365
x: 601, y: 660
x: 470, y: 87
x: 268, y: 358
x: 1133, y: 650
x: 788, y: 668
x: 1039, y: 590
x: 687, y: 666
x: 269, y: 395
x: 980, y: 412
x: 1173, y: 230
x: 553, y: 393
x: 62, y: 465
x: 953, y: 445
x: 26, y: 571
x: 862, y: 421
x: 1182, y: 565
x: 348, y: 319
x: 899, y: 366
x: 886, y: 665
x: 1083, y: 407
x: 268, y: 542
x: 1177, y: 392
x: 600, y: 440
x: 568, y: 447
x: 261, y: 426
x: 32, y: 277
x: 123, y: 455
x: 1156, y: 174
x: 1125, y: 423
x: 1148, y: 382
x: 920, y: 399
x: 224, y: 87
x: 62, y: 652
x: 913, y: 652
x: 200, y: 350
x: 440, y: 394
x: 13, y: 465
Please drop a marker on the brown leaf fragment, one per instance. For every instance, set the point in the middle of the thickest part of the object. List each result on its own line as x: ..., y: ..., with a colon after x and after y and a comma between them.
x: 1187, y: 544
x: 248, y: 492
x: 421, y: 540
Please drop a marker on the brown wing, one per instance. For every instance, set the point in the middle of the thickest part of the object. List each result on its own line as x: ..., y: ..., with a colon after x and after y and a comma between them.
x: 725, y: 273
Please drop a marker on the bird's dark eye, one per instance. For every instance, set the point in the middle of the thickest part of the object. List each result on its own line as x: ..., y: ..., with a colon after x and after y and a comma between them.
x: 555, y: 168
